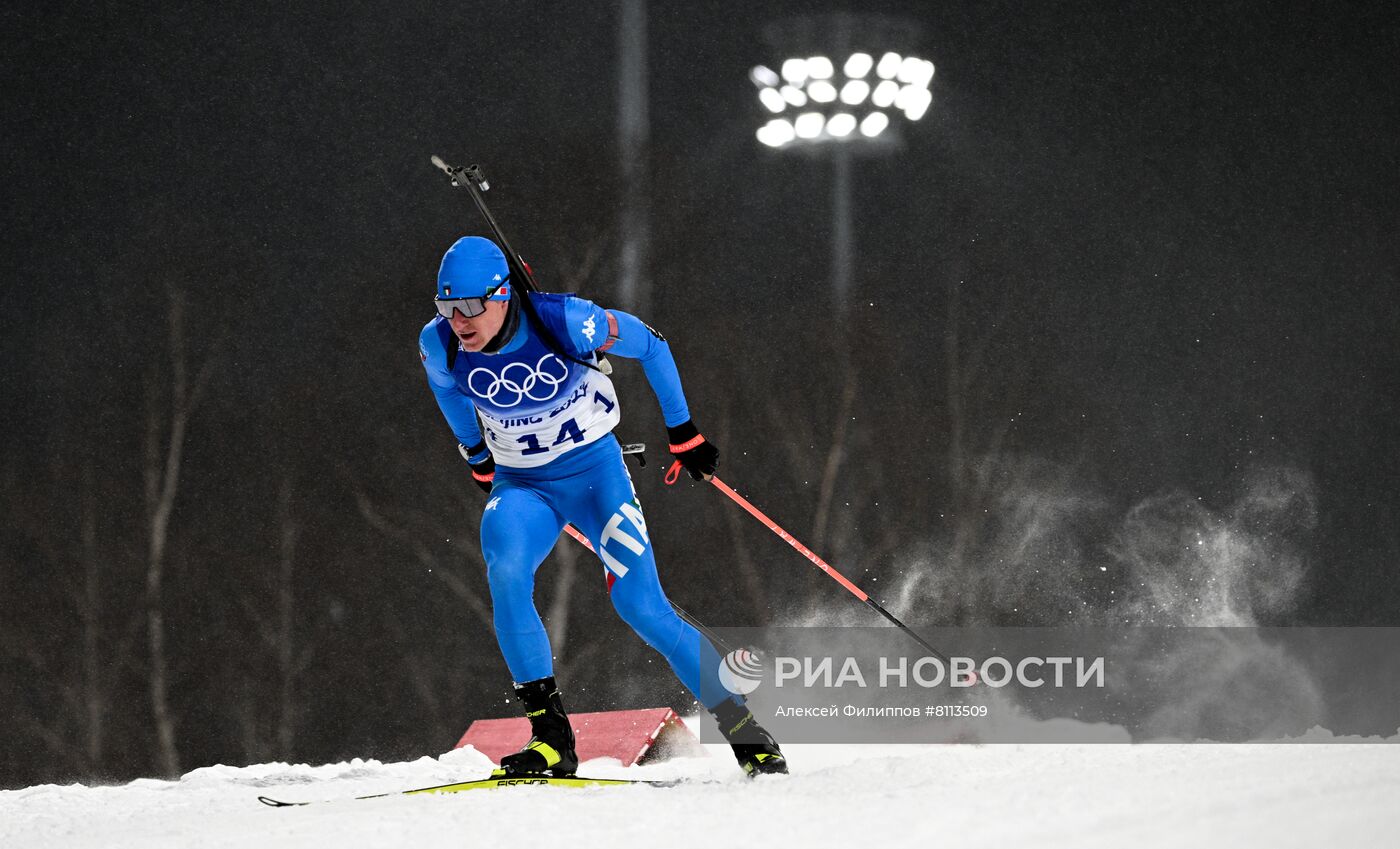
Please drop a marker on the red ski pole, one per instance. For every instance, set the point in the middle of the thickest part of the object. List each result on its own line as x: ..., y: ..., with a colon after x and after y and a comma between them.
x: 674, y: 473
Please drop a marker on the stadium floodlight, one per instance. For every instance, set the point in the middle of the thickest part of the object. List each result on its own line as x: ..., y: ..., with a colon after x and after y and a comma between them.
x: 820, y: 68
x: 885, y: 94
x: 917, y: 103
x: 794, y: 95
x: 874, y: 124
x: 854, y: 92
x: 858, y: 65
x: 909, y: 70
x: 841, y: 124
x: 889, y: 66
x: 809, y: 125
x: 764, y: 77
x: 923, y: 75
x: 776, y: 133
x: 901, y: 98
x: 795, y: 71
x: 821, y: 91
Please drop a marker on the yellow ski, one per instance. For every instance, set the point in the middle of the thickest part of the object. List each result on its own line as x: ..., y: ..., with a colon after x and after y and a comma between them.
x: 496, y: 781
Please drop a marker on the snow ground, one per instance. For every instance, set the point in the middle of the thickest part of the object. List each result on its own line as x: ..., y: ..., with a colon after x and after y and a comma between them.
x: 963, y: 796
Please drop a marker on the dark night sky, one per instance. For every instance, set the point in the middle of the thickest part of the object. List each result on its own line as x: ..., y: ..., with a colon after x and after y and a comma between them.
x: 1192, y: 206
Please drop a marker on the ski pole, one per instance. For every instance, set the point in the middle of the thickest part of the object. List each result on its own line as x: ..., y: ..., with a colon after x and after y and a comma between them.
x: 674, y: 473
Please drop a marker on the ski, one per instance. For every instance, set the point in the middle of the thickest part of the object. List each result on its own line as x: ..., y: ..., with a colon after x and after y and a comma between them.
x: 498, y: 781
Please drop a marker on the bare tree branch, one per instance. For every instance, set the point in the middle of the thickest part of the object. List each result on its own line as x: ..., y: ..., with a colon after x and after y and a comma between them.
x: 162, y: 481
x: 834, y: 455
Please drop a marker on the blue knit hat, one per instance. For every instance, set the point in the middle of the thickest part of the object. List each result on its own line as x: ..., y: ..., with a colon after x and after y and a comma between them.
x: 472, y: 267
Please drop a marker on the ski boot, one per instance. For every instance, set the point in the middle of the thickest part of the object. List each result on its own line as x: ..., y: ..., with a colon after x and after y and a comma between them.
x: 551, y: 747
x: 754, y: 748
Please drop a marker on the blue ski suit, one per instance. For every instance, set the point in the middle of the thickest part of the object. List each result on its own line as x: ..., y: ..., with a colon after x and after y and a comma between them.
x: 548, y: 424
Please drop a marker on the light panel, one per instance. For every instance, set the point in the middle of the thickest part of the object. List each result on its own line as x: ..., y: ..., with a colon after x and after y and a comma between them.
x: 821, y: 91
x: 794, y: 95
x: 889, y: 66
x: 808, y: 125
x: 795, y: 71
x: 874, y: 124
x: 923, y: 75
x: 764, y: 77
x: 855, y: 92
x: 901, y: 98
x: 909, y: 70
x: 917, y: 104
x: 776, y: 133
x: 858, y: 65
x: 842, y: 124
x: 885, y: 93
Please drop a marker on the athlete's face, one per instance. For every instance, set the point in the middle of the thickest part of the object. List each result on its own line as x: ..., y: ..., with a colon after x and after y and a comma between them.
x: 478, y: 330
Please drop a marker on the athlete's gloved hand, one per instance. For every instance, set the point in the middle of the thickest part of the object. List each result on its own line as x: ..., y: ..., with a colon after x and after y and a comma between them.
x: 696, y: 455
x: 482, y: 463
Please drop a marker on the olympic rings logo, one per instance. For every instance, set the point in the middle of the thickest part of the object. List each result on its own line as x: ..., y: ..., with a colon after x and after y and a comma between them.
x: 517, y: 382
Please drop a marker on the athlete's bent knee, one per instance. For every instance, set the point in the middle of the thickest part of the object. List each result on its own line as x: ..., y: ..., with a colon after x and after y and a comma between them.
x: 655, y: 623
x: 510, y: 579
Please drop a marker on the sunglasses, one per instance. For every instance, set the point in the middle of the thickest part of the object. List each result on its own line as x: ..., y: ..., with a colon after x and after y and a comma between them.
x: 469, y: 307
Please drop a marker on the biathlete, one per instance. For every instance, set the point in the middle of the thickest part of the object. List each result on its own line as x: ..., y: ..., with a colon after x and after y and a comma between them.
x: 545, y: 453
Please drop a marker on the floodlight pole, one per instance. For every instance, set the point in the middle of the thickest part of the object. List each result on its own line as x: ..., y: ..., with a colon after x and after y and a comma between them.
x: 842, y: 224
x: 842, y: 233
x: 633, y: 135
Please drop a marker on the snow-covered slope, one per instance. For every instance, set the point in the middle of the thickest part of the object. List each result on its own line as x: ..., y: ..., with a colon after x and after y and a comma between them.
x: 963, y: 796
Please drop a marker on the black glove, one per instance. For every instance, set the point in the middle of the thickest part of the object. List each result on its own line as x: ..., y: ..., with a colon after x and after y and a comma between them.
x: 698, y: 456
x: 483, y: 470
